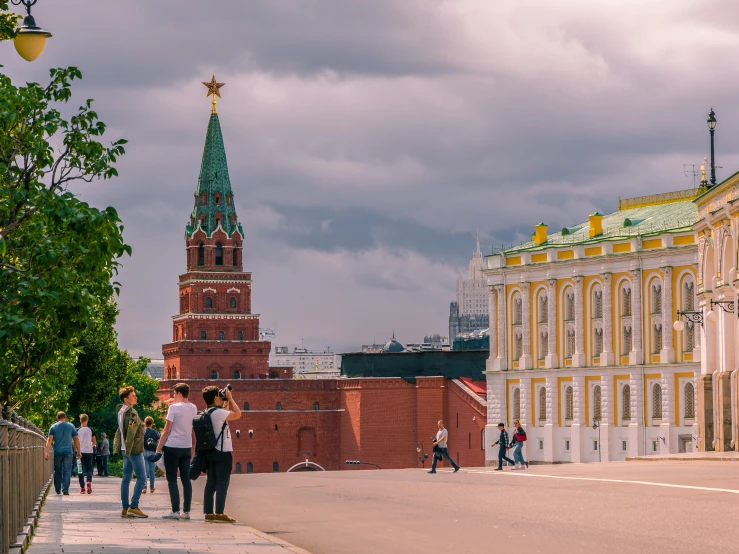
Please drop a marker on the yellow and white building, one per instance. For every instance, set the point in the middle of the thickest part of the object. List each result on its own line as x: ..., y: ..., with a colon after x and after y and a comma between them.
x: 582, y: 345
x: 717, y: 231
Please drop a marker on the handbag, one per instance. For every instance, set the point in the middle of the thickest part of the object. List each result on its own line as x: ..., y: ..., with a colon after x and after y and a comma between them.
x: 198, y: 465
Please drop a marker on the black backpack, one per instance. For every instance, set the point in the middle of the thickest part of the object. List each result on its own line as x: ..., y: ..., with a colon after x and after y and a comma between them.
x: 205, y: 435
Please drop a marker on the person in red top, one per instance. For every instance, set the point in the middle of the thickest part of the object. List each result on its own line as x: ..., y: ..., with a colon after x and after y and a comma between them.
x: 519, y: 437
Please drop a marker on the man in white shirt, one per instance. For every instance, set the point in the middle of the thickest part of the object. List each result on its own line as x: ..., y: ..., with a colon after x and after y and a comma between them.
x: 88, y: 442
x: 440, y: 448
x: 176, y: 444
x: 220, y: 460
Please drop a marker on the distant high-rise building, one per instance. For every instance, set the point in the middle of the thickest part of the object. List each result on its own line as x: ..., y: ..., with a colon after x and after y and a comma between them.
x: 470, y: 311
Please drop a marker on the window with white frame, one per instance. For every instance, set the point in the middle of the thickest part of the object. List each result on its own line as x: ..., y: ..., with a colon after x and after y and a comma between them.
x: 657, y: 298
x: 657, y: 401
x: 689, y: 401
x: 597, y: 302
x: 626, y: 339
x: 569, y: 305
x: 569, y: 403
x: 626, y: 301
x: 517, y: 403
x: 543, y: 343
x: 598, y: 342
x: 517, y: 309
x: 656, y: 338
x: 543, y: 307
x: 570, y: 344
x: 542, y: 403
x: 517, y: 345
x: 626, y: 402
x: 689, y: 306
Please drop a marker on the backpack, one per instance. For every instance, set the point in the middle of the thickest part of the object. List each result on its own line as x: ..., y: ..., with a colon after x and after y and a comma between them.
x: 151, y: 440
x: 520, y: 435
x: 205, y: 436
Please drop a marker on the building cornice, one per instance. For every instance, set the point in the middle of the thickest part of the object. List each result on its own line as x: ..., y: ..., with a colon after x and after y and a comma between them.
x: 219, y: 316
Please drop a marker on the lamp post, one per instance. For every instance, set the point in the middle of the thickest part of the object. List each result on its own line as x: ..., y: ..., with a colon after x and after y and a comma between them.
x: 31, y: 39
x: 422, y: 456
x: 712, y: 127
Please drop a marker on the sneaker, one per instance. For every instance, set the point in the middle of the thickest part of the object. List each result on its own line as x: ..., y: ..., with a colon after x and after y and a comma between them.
x: 223, y: 518
x: 498, y: 469
x: 135, y: 512
x: 456, y: 469
x: 82, y: 490
x: 89, y: 488
x: 431, y: 471
x: 59, y: 492
x: 173, y: 515
x: 66, y: 493
x: 152, y: 491
x: 124, y: 512
x: 185, y: 515
x: 143, y: 491
x: 210, y: 517
x: 527, y: 465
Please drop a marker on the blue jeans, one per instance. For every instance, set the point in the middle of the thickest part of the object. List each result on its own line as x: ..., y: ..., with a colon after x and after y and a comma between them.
x: 62, y: 472
x: 517, y: 454
x: 446, y: 455
x: 150, y: 469
x: 131, y: 464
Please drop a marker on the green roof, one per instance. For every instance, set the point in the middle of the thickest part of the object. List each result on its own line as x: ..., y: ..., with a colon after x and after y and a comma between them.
x: 645, y: 220
x: 215, y: 209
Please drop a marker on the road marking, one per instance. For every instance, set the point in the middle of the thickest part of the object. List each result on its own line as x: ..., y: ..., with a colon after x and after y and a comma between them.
x: 624, y: 481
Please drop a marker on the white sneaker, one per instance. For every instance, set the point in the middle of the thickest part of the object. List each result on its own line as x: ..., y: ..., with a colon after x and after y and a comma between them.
x: 173, y: 515
x: 185, y: 515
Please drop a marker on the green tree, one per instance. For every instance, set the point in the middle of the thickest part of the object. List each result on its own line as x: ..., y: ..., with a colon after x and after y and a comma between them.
x: 8, y: 22
x: 101, y: 366
x: 58, y: 255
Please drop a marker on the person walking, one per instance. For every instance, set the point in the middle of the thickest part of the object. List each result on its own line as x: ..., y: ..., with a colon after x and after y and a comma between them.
x: 63, y: 437
x: 519, y: 437
x: 503, y: 442
x: 220, y: 460
x: 176, y: 445
x: 151, y: 442
x: 440, y: 448
x: 129, y: 442
x: 88, y: 443
x: 103, y: 455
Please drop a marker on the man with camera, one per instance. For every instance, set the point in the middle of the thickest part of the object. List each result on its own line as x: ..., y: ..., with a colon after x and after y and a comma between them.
x: 220, y: 459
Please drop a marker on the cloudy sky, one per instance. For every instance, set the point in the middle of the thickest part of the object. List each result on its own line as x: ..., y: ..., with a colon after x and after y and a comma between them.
x: 367, y: 140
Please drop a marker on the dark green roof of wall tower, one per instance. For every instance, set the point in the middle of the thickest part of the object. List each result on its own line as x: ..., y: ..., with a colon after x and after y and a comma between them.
x: 214, y: 179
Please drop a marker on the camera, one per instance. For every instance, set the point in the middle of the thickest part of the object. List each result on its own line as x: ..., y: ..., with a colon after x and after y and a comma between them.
x: 222, y: 392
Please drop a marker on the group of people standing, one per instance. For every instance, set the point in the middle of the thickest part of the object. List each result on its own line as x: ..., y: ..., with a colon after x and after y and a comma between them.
x: 141, y: 447
x: 81, y: 443
x: 175, y: 444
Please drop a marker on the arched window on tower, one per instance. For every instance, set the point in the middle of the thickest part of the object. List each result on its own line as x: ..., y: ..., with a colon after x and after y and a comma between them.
x: 232, y: 302
x: 217, y: 198
x: 201, y: 254
x: 203, y: 199
x: 237, y: 374
x: 219, y: 253
x: 236, y: 254
x: 208, y: 302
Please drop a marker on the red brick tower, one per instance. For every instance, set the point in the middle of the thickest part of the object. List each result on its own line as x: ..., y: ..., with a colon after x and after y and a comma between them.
x: 215, y: 335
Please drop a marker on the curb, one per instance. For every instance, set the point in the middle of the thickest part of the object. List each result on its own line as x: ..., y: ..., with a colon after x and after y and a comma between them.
x: 668, y: 459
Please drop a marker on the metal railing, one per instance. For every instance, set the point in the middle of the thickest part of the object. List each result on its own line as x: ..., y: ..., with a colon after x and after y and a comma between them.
x: 25, y: 477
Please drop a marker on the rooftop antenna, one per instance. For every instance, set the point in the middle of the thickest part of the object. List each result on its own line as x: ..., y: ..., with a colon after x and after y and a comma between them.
x: 692, y: 170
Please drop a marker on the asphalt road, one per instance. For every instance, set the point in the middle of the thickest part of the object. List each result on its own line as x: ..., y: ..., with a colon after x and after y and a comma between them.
x: 632, y: 507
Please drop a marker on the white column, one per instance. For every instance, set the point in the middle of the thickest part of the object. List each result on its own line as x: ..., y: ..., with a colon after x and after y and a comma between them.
x: 636, y: 356
x: 493, y: 332
x: 501, y: 360
x: 578, y: 358
x: 606, y: 418
x: 552, y: 358
x: 526, y: 360
x: 578, y: 414
x: 607, y: 357
x: 667, y: 354
x: 549, y: 427
x: 496, y: 413
x: 667, y: 409
x: 526, y: 411
x: 698, y: 328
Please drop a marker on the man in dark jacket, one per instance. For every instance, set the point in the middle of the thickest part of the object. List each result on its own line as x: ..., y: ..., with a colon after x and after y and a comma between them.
x: 129, y: 442
x: 503, y: 442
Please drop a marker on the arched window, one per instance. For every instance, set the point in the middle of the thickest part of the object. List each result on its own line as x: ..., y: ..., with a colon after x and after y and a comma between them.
x: 543, y: 307
x: 237, y: 374
x: 570, y: 344
x: 598, y: 347
x: 208, y: 302
x: 569, y: 403
x: 517, y: 345
x: 626, y: 301
x: 657, y: 401
x: 219, y: 253
x: 596, y: 403
x: 221, y: 335
x: 316, y: 406
x: 657, y: 298
x: 278, y: 406
x: 238, y: 467
x: 657, y: 338
x: 689, y: 401
x: 517, y: 309
x: 543, y: 343
x: 246, y: 406
x: 689, y: 306
x: 240, y: 335
x: 214, y: 375
x: 232, y: 302
x: 626, y: 402
x: 569, y: 305
x: 201, y: 254
x: 203, y: 335
x: 597, y: 302
x: 275, y: 467
x: 517, y: 403
x: 236, y: 255
x: 249, y: 467
x: 203, y: 199
x: 626, y: 341
x: 542, y: 403
x: 217, y: 198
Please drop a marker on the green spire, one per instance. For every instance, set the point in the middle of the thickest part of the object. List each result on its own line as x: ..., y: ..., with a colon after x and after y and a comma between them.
x: 214, y: 202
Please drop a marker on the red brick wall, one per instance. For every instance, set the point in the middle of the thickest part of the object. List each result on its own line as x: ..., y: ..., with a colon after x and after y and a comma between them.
x: 465, y: 423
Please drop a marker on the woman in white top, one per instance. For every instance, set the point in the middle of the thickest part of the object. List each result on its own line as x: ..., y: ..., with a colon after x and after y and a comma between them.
x: 176, y: 444
x: 220, y: 460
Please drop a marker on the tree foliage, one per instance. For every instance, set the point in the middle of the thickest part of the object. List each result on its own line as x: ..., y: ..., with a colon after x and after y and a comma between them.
x: 58, y: 255
x: 8, y: 21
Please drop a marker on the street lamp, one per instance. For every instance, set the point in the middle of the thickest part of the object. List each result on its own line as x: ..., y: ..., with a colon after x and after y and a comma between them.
x: 31, y: 39
x: 712, y: 127
x: 422, y: 456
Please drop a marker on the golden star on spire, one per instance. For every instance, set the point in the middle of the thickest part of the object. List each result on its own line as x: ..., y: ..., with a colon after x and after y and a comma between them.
x: 213, y: 90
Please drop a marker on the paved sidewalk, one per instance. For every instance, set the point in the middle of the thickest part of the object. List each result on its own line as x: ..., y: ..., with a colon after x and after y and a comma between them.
x: 81, y: 523
x: 689, y: 457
